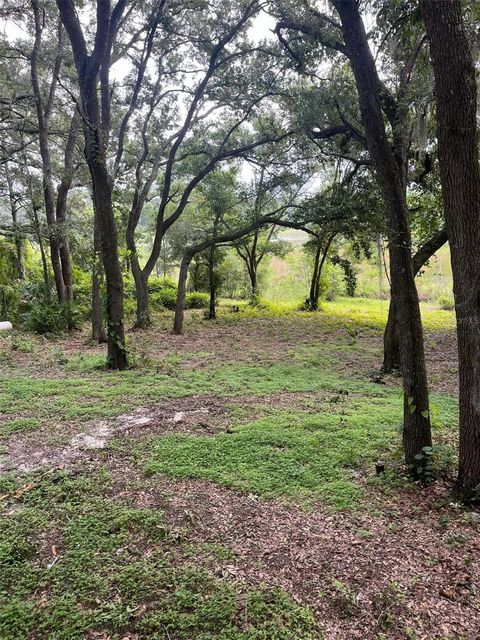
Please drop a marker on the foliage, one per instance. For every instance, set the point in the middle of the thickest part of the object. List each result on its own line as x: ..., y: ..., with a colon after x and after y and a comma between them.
x: 161, y: 283
x: 196, y: 300
x: 52, y: 317
x: 165, y: 297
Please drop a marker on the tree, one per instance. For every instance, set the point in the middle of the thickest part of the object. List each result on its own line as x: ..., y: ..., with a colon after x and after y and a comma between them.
x: 92, y: 68
x: 55, y: 207
x: 390, y: 161
x: 319, y: 246
x: 329, y: 117
x: 390, y: 173
x: 456, y: 99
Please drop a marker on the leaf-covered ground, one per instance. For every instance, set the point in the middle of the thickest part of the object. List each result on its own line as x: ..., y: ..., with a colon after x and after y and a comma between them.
x: 225, y: 487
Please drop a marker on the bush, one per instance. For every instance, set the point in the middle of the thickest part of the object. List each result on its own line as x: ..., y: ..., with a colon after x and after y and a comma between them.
x: 446, y: 302
x: 9, y: 303
x: 52, y: 318
x: 160, y: 284
x: 166, y: 298
x: 196, y: 300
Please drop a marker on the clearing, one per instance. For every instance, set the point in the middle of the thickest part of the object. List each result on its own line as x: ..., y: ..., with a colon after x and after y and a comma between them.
x: 224, y: 488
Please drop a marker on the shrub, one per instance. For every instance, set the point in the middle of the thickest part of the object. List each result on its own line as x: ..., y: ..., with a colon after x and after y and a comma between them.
x: 160, y: 284
x: 196, y: 300
x: 52, y: 318
x: 446, y: 302
x: 9, y: 303
x: 166, y: 298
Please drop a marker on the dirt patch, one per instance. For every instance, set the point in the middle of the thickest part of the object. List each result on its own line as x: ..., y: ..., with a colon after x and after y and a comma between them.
x: 30, y: 451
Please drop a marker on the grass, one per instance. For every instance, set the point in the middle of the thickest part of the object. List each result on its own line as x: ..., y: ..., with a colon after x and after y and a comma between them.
x: 302, y: 456
x: 100, y: 394
x: 351, y: 312
x: 74, y: 561
x: 7, y: 428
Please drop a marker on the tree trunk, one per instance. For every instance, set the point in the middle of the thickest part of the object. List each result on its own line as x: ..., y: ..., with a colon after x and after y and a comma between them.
x: 46, y: 277
x: 20, y: 257
x: 90, y: 69
x: 456, y: 96
x: 253, y: 276
x: 43, y: 133
x: 314, y: 285
x: 98, y: 326
x: 318, y: 268
x: 143, y: 319
x: 17, y: 237
x: 391, y: 346
x: 61, y: 207
x: 140, y: 277
x: 181, y: 291
x: 117, y: 354
x: 416, y: 425
x: 211, y: 280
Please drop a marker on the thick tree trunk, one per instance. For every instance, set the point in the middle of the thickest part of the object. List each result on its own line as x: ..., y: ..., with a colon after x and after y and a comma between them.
x: 181, y: 291
x: 117, y: 354
x: 456, y: 96
x: 98, y: 326
x: 90, y: 69
x: 391, y: 346
x: 416, y: 424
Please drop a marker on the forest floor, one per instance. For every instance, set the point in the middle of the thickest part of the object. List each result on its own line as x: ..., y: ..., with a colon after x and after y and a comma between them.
x: 224, y: 488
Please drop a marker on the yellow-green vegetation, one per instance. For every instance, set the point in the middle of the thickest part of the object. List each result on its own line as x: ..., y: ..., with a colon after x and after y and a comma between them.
x: 355, y: 312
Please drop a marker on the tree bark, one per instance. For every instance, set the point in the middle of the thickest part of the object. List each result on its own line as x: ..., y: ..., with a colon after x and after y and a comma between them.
x: 314, y: 285
x: 181, y: 291
x: 416, y: 424
x: 61, y: 206
x: 17, y: 237
x: 211, y: 281
x: 456, y: 98
x: 391, y: 346
x: 321, y: 254
x: 46, y: 277
x: 98, y: 326
x: 117, y: 355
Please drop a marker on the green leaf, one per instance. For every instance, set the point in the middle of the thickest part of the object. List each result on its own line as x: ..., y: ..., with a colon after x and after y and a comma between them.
x: 412, y: 408
x: 410, y: 400
x: 426, y: 414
